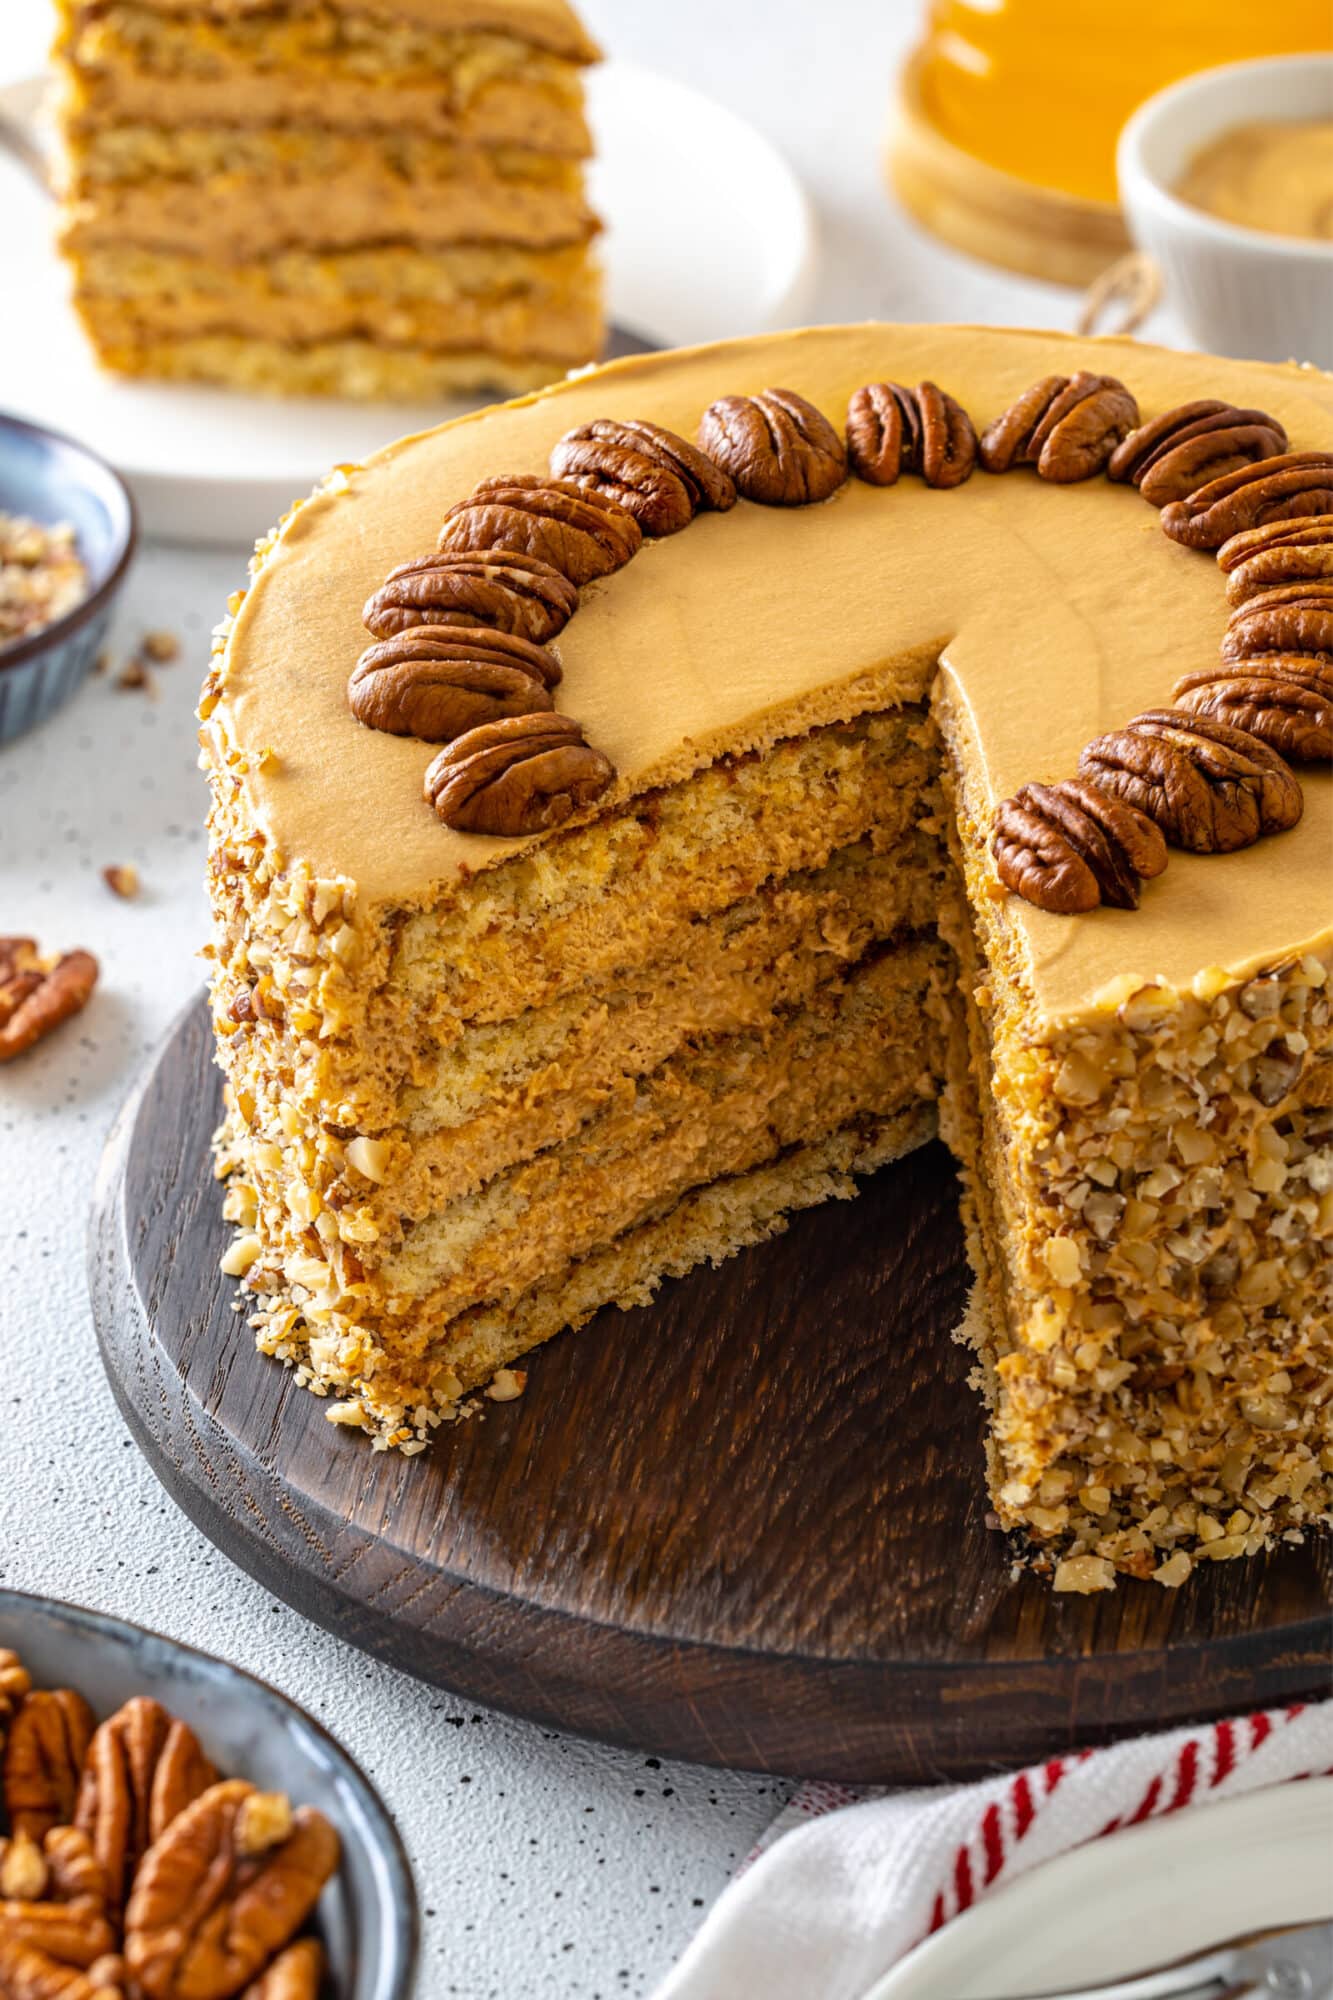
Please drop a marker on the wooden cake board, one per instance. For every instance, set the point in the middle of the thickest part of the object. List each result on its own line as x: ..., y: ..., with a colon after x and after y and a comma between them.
x: 745, y: 1525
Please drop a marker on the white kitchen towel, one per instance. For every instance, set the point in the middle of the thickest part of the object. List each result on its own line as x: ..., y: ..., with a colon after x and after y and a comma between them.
x: 845, y: 1883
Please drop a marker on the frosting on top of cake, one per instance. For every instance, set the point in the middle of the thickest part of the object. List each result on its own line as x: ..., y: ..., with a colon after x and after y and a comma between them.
x: 1056, y: 612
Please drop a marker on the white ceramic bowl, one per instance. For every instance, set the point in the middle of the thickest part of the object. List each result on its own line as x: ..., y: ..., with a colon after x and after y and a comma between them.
x: 1238, y: 291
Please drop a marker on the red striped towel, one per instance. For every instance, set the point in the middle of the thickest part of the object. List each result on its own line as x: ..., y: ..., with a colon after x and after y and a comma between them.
x: 844, y: 1883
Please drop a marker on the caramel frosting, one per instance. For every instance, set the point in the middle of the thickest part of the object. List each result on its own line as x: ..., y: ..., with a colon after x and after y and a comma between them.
x: 1055, y: 613
x: 548, y: 24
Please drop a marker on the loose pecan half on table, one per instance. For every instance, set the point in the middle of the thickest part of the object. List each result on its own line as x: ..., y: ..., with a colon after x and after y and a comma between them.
x: 38, y: 993
x: 780, y: 450
x: 1285, y: 699
x: 520, y: 776
x: 223, y: 1890
x: 582, y: 534
x: 1066, y: 425
x: 1069, y: 847
x: 660, y: 478
x: 1209, y: 787
x: 1276, y: 489
x: 892, y: 430
x: 1181, y: 450
x: 495, y: 588
x: 438, y: 681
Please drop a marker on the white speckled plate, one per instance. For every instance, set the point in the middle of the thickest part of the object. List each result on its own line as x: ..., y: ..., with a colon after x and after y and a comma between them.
x: 367, y: 1915
x: 708, y: 234
x: 1139, y: 1900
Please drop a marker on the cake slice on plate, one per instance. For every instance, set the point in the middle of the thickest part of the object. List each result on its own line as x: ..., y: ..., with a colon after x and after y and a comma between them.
x: 656, y: 858
x: 334, y: 199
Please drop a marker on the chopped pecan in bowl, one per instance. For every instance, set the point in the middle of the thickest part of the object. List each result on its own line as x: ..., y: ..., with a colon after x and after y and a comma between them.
x: 1184, y: 448
x: 1066, y: 425
x: 582, y: 534
x: 496, y: 588
x: 1210, y: 788
x: 892, y: 430
x: 778, y: 448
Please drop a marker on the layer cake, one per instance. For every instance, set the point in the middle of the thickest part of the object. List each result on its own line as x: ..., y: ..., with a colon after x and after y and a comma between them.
x: 378, y: 199
x: 478, y: 1087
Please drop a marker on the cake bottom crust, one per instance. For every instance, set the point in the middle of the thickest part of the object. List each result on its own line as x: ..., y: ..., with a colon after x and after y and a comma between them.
x: 360, y: 370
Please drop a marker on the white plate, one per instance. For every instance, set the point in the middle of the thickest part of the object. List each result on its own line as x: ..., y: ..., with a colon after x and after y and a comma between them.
x: 709, y: 234
x: 1136, y: 1901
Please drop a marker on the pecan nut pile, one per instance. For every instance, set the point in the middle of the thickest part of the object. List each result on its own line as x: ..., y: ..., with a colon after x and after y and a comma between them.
x: 1286, y: 618
x: 1210, y: 788
x: 1277, y: 489
x: 1184, y: 448
x: 1070, y: 847
x: 222, y: 1891
x: 581, y: 534
x: 38, y: 993
x: 1066, y: 425
x: 1285, y: 699
x: 892, y: 430
x: 1290, y: 551
x: 516, y: 777
x: 438, y: 681
x: 779, y: 449
x: 497, y: 588
x: 660, y: 478
x: 154, y: 1881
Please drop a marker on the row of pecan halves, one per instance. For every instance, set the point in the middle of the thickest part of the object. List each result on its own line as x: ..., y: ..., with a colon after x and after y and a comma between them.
x: 1211, y: 773
x: 131, y: 1871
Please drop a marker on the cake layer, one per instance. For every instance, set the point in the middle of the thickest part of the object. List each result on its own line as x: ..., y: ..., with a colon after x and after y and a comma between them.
x: 333, y: 195
x: 507, y: 301
x: 401, y: 1398
x: 355, y: 72
x: 359, y: 369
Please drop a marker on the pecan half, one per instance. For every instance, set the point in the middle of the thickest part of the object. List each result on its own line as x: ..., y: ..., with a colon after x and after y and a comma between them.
x: 1285, y: 699
x: 55, y: 1897
x: 1069, y: 847
x: 892, y: 429
x: 15, y: 1680
x: 658, y: 477
x: 143, y: 1768
x: 497, y: 588
x: 44, y: 1757
x: 1286, y: 561
x: 294, y: 1974
x: 225, y: 1888
x: 1183, y: 448
x: 520, y: 776
x: 779, y: 449
x: 583, y: 535
x: 1276, y: 489
x: 438, y: 681
x: 37, y: 994
x: 1066, y: 425
x: 1209, y: 787
x: 1295, y: 531
x: 33, y: 1975
x: 1288, y: 618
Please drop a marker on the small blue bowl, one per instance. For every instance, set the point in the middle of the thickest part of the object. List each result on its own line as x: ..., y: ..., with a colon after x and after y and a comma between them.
x: 50, y: 478
x: 367, y: 1916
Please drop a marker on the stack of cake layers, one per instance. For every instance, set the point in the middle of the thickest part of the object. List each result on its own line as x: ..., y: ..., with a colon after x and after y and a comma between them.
x: 370, y: 198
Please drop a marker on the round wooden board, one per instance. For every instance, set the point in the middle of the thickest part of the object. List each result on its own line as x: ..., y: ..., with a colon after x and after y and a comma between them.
x: 744, y: 1525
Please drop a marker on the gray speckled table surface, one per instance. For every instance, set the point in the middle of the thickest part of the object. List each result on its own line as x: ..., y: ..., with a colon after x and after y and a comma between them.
x: 546, y: 1866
